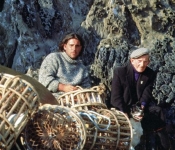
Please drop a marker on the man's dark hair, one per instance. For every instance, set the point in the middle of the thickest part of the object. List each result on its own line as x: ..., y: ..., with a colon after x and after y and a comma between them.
x: 67, y: 38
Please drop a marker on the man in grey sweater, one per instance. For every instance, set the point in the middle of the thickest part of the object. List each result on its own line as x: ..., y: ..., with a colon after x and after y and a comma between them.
x: 63, y: 71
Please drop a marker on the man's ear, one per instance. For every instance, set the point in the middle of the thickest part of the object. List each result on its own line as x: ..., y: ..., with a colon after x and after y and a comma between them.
x: 64, y: 47
x: 131, y: 60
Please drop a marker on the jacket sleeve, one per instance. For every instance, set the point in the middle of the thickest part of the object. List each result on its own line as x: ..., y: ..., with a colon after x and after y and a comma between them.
x: 117, y: 91
x: 48, y: 71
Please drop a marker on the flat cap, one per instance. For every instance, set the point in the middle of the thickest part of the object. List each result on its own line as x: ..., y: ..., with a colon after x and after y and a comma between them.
x: 139, y: 52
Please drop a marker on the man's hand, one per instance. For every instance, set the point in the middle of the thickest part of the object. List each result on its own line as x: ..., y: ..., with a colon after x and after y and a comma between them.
x: 137, y: 118
x: 66, y: 87
x: 138, y: 113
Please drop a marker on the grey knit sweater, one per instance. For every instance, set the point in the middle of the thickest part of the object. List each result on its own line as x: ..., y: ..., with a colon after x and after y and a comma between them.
x: 58, y: 67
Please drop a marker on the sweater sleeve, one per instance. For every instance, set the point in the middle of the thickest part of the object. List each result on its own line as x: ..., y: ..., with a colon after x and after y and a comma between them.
x: 48, y: 71
x: 86, y: 82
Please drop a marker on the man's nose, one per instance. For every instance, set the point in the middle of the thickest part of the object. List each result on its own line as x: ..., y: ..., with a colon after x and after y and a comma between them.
x: 73, y: 48
x: 141, y: 63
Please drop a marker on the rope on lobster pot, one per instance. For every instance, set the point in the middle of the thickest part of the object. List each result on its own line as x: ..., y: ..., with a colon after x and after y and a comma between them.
x: 95, y: 117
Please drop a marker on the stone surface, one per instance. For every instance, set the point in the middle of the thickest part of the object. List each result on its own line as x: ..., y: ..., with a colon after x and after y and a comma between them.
x: 31, y: 29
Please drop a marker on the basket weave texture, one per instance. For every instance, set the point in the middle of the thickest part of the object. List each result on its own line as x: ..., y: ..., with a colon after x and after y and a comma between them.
x: 55, y: 128
x: 84, y: 99
x: 18, y: 103
x: 106, y: 129
x: 81, y: 121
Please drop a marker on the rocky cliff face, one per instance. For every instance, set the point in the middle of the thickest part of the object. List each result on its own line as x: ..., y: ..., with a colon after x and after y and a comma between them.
x: 31, y: 29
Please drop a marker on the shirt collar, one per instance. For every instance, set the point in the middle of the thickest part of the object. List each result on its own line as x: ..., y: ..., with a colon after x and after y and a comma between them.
x: 136, y: 74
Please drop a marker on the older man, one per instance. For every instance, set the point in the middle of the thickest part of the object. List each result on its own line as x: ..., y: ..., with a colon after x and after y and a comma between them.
x: 132, y: 86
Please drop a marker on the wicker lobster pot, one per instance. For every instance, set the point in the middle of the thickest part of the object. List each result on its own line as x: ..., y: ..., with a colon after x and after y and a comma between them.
x: 55, y: 128
x: 107, y: 129
x: 126, y: 135
x: 18, y: 103
x: 84, y: 99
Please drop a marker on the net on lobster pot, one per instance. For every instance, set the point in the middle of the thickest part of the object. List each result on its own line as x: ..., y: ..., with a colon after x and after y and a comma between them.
x: 55, y: 128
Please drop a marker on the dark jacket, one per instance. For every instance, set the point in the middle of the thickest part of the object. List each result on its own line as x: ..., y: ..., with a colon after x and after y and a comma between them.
x: 124, y: 86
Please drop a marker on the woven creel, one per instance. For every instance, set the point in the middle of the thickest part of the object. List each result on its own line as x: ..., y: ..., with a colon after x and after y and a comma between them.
x: 55, y: 128
x: 4, y: 78
x: 126, y: 132
x: 18, y: 103
x: 84, y: 99
x: 7, y: 134
x: 45, y: 96
x: 106, y: 129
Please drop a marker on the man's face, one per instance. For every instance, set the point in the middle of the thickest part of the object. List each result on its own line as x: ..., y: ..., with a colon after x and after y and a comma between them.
x: 73, y: 48
x: 140, y: 63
